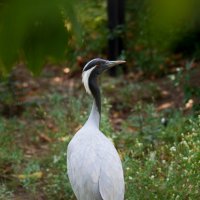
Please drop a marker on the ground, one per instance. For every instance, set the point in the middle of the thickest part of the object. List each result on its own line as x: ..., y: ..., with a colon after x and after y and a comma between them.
x: 39, y: 115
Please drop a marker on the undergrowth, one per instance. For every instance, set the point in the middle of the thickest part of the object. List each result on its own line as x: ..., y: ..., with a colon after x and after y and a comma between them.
x: 160, y: 161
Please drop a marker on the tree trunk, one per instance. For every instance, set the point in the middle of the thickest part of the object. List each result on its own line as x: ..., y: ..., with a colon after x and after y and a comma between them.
x: 116, y: 13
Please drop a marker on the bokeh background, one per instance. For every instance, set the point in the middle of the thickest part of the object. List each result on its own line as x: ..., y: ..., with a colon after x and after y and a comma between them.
x: 150, y: 105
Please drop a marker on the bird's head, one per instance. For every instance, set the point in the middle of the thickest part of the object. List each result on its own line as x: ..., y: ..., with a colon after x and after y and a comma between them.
x: 94, y: 68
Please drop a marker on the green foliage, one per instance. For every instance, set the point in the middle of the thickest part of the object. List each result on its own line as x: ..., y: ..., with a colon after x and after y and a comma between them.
x: 9, y: 153
x: 184, y: 78
x: 29, y: 179
x: 34, y: 31
x: 164, y: 170
x: 37, y: 32
x: 156, y: 28
x: 5, y: 193
x: 92, y: 17
x: 159, y: 161
x: 56, y: 184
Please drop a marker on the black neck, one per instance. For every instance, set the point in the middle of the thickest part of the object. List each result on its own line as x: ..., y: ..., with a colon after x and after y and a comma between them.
x: 95, y: 89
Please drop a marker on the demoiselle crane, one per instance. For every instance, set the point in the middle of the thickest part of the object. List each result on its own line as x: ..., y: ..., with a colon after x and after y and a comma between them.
x: 93, y: 164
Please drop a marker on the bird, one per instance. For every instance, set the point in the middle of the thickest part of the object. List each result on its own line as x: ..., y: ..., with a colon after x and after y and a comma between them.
x: 94, y: 166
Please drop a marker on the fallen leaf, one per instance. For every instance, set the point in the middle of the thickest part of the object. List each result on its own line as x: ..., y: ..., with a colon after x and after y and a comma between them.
x: 189, y: 104
x: 45, y: 138
x: 35, y: 175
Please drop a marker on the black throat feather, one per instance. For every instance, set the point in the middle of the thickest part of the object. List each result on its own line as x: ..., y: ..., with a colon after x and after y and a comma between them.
x: 92, y: 82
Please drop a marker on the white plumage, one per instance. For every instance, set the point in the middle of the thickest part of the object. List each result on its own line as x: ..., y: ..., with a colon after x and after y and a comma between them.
x: 94, y: 166
x: 85, y: 77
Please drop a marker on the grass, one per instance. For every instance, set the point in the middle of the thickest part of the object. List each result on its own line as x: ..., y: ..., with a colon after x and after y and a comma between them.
x: 164, y: 169
x: 160, y: 162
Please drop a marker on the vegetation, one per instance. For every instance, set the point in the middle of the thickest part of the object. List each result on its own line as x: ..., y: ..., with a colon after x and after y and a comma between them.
x: 151, y: 113
x: 56, y: 33
x: 160, y: 160
x: 35, y: 32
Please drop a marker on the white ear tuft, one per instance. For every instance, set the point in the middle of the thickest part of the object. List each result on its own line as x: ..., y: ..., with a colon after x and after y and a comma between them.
x: 85, y: 79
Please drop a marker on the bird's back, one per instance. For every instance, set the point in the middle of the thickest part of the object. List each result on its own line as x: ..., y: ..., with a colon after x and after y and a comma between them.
x: 94, y: 167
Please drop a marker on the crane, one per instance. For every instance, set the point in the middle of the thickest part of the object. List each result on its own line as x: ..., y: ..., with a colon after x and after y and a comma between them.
x: 93, y: 165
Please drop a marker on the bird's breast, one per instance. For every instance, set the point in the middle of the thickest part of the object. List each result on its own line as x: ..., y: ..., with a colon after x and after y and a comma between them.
x: 91, y: 159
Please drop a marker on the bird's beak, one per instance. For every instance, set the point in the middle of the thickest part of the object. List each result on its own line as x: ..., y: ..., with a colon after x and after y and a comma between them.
x: 113, y: 63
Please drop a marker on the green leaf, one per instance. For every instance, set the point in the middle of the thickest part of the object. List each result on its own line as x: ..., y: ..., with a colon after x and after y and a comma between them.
x: 34, y: 31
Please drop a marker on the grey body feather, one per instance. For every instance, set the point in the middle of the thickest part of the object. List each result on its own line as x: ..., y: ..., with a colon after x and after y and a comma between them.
x: 94, y: 166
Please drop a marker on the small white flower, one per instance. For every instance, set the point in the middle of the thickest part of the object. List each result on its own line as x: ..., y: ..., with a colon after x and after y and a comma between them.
x: 173, y: 149
x: 152, y: 177
x: 185, y: 158
x: 163, y: 161
x: 130, y: 178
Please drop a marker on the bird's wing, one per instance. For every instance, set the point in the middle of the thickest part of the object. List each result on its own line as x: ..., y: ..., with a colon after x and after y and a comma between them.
x: 84, y: 170
x: 111, y: 180
x: 94, y: 169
